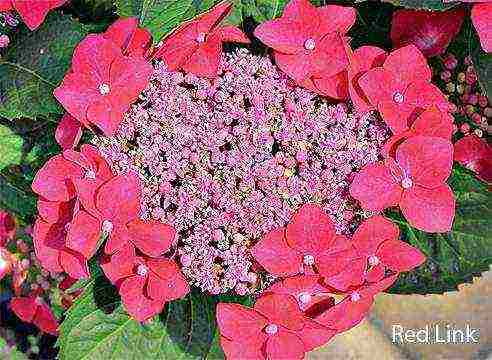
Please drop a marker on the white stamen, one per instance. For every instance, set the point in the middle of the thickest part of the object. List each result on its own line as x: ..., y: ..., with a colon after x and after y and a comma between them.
x: 142, y: 270
x: 304, y: 298
x: 107, y: 226
x: 398, y: 97
x: 271, y: 329
x: 373, y: 260
x: 90, y: 174
x: 201, y: 37
x: 355, y: 296
x: 310, y: 44
x: 407, y: 183
x: 104, y: 89
x: 308, y: 260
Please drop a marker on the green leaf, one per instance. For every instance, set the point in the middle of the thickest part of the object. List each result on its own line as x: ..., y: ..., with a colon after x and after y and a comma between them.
x: 455, y: 257
x: 483, y: 66
x: 97, y: 327
x: 35, y: 64
x: 10, y: 147
x: 263, y: 10
x: 423, y: 4
x: 161, y: 16
x: 16, y: 200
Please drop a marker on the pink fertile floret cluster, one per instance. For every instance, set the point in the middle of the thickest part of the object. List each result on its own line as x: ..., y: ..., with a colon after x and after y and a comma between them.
x: 226, y: 161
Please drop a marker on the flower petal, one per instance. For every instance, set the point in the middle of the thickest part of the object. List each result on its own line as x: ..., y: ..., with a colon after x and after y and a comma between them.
x: 138, y: 306
x: 205, y: 60
x: 281, y: 310
x: 427, y: 161
x: 336, y: 18
x: 151, y: 237
x: 407, y: 65
x: 314, y: 335
x: 310, y: 231
x: 24, y: 307
x: 53, y: 180
x: 118, y: 199
x: 232, y: 34
x: 375, y: 188
x: 399, y: 256
x: 34, y: 13
x: 68, y: 132
x: 481, y: 16
x: 285, y: 36
x: 372, y: 233
x: 239, y: 323
x: 239, y: 350
x: 285, y: 345
x: 168, y: 283
x: 429, y: 210
x: 273, y: 253
x: 84, y: 234
x: 120, y: 265
x: 74, y: 264
x: 431, y: 32
x: 45, y: 320
x: 44, y: 233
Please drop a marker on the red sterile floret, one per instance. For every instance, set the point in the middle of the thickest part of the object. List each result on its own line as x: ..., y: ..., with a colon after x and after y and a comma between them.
x: 355, y: 305
x: 32, y: 12
x: 55, y: 181
x: 113, y: 209
x: 306, y: 289
x: 102, y: 83
x: 308, y: 43
x: 274, y: 329
x: 432, y: 122
x: 377, y: 240
x: 430, y: 31
x: 361, y: 60
x: 33, y: 309
x: 401, y: 88
x: 196, y: 46
x: 68, y: 132
x: 7, y: 228
x: 133, y: 40
x: 481, y: 16
x: 475, y: 154
x: 145, y: 284
x: 414, y: 180
x: 309, y: 243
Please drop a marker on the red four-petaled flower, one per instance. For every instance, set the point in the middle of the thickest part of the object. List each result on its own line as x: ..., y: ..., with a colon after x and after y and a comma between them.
x: 309, y: 244
x: 414, y: 180
x: 308, y: 43
x: 196, y: 46
x: 32, y: 12
x: 274, y: 329
x: 401, y: 89
x: 102, y: 83
x: 145, y: 284
x: 377, y: 241
x: 430, y: 31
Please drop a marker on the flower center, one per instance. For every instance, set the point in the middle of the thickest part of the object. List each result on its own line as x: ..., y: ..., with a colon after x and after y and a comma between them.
x: 407, y: 183
x: 90, y: 174
x: 201, y: 37
x: 305, y: 298
x: 355, y: 296
x: 373, y: 260
x: 271, y: 329
x: 308, y: 260
x: 142, y: 270
x: 104, y: 89
x: 310, y: 44
x: 107, y: 226
x: 398, y: 97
